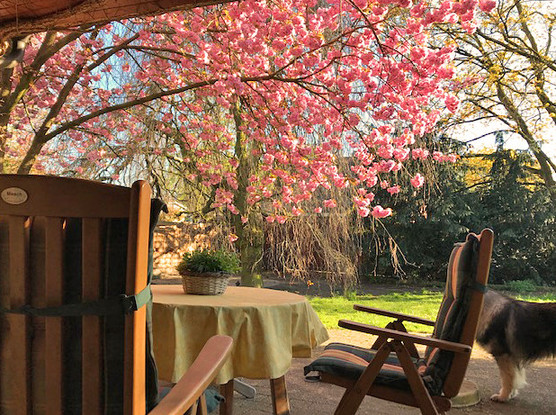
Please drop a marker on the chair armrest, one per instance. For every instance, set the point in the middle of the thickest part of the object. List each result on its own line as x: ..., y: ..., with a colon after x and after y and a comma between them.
x: 399, y: 316
x: 403, y: 336
x: 198, y: 377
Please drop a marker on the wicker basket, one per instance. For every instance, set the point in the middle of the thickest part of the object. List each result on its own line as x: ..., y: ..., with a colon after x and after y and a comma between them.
x: 208, y: 283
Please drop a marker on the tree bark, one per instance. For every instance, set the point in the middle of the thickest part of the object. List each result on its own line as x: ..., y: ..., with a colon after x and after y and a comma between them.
x: 544, y: 161
x: 250, y: 234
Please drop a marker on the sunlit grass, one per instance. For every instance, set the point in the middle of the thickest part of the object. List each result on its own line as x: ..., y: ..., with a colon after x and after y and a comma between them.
x: 424, y: 304
x: 537, y: 298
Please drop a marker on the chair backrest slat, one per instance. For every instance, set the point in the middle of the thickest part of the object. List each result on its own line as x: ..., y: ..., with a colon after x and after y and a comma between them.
x: 67, y: 198
x: 53, y: 355
x: 135, y: 364
x: 19, y: 347
x: 63, y: 241
x: 91, y: 371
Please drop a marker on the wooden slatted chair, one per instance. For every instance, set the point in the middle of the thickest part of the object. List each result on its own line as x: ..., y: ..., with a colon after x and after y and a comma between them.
x: 392, y: 369
x: 73, y: 284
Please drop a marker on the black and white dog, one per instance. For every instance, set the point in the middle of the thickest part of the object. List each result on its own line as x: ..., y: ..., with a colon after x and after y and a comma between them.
x: 516, y: 333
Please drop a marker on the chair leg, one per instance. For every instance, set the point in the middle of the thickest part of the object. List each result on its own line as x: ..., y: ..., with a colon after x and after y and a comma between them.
x: 353, y: 396
x: 202, y: 407
x: 420, y: 392
x: 381, y: 339
x: 280, y: 402
x: 227, y: 390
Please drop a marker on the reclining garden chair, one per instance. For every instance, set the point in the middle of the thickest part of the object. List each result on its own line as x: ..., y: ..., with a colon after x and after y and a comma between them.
x: 392, y: 369
x: 74, y: 285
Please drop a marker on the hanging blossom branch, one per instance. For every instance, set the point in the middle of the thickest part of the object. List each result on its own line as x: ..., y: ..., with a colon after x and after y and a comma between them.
x: 353, y: 79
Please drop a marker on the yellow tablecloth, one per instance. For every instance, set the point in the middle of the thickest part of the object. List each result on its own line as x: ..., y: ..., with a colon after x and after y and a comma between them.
x: 269, y: 327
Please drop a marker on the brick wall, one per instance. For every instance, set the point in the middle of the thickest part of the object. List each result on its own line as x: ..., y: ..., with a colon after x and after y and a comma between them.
x: 173, y: 239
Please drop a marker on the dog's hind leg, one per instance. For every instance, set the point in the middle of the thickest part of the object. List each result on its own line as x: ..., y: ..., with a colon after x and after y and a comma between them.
x: 512, y: 376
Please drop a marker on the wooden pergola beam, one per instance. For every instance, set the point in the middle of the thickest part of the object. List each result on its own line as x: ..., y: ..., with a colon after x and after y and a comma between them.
x: 20, y: 18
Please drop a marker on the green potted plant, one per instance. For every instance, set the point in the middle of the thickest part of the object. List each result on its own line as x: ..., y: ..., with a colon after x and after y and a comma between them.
x: 207, y: 271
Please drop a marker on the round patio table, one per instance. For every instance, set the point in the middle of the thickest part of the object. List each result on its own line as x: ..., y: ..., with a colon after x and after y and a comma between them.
x: 269, y: 328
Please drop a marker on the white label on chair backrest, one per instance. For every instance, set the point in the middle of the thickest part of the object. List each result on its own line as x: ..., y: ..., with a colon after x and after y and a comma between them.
x: 14, y: 196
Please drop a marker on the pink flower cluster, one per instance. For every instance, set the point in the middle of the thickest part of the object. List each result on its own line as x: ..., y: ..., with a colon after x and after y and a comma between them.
x: 299, y: 88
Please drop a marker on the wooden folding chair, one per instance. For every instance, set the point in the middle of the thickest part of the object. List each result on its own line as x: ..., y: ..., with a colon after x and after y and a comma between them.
x: 392, y: 369
x: 73, y: 295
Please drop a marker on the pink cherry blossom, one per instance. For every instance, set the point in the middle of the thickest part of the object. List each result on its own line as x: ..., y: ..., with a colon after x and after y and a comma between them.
x: 330, y: 203
x: 379, y: 212
x: 487, y: 5
x: 361, y: 201
x: 296, y: 211
x: 280, y: 219
x: 363, y: 211
x: 419, y: 153
x: 417, y: 180
x: 252, y: 86
x: 393, y: 190
x: 233, y: 209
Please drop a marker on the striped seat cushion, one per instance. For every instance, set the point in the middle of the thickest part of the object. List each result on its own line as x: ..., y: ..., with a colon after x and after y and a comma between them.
x: 349, y: 361
x: 452, y: 315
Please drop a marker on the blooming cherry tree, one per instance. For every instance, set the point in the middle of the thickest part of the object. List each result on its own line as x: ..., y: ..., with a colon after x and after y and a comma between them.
x: 259, y: 101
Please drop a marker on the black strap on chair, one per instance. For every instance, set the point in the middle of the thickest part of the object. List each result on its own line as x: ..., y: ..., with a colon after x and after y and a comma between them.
x: 477, y: 286
x: 122, y: 304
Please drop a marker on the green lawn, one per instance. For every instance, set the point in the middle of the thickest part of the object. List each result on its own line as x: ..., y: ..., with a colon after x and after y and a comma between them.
x: 424, y: 304
x: 537, y: 298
